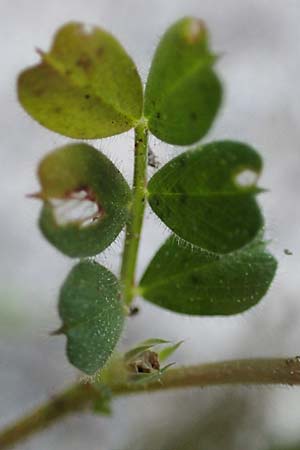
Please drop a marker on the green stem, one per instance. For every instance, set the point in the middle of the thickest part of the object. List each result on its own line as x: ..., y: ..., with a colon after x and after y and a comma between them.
x: 276, y: 371
x: 136, y: 215
x: 71, y: 400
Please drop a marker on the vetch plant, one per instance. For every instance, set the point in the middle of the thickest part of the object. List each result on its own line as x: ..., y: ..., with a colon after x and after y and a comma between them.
x: 215, y: 261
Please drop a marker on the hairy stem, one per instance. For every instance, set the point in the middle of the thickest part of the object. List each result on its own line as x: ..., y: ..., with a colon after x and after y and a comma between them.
x: 136, y: 215
x: 280, y: 371
x: 72, y: 399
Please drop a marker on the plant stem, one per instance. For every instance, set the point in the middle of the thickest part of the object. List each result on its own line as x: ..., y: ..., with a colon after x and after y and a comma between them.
x: 136, y: 214
x: 71, y: 400
x: 281, y: 371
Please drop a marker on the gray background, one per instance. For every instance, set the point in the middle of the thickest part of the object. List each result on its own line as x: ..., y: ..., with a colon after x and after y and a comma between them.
x: 260, y: 45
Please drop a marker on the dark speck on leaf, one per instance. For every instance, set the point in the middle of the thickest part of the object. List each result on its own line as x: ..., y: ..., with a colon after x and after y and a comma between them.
x: 100, y: 51
x: 84, y: 62
x: 158, y: 115
x: 193, y: 116
x: 194, y: 279
x: 87, y: 96
x: 38, y: 92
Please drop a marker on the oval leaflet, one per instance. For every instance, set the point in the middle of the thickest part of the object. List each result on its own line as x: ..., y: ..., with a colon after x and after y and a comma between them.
x: 85, y: 87
x: 92, y: 314
x: 192, y: 281
x: 183, y: 93
x: 198, y: 197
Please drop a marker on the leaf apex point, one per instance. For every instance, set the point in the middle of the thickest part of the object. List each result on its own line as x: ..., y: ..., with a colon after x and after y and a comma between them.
x: 58, y: 331
x: 35, y: 195
x: 40, y: 52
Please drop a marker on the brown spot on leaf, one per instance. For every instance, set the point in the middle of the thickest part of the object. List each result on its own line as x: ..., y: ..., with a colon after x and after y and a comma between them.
x: 38, y: 92
x: 100, y: 51
x: 84, y: 62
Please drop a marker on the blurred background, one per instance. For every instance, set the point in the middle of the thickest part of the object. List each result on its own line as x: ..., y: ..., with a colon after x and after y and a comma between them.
x: 260, y: 45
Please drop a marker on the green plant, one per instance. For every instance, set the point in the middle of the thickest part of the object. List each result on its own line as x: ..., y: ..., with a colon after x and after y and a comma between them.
x: 214, y: 263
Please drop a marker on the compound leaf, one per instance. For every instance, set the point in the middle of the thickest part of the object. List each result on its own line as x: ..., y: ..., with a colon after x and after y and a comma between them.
x: 183, y: 94
x: 79, y: 176
x: 86, y: 87
x: 92, y: 315
x: 201, y: 195
x: 191, y: 281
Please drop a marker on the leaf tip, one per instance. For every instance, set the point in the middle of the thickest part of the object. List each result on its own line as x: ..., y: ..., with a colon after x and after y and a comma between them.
x: 195, y: 30
x: 35, y: 195
x: 58, y: 331
x: 40, y: 52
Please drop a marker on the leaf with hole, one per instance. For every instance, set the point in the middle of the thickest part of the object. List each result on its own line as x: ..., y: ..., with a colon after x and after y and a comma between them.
x: 85, y: 200
x: 201, y: 195
x: 92, y: 314
x: 86, y: 87
x: 183, y: 93
x: 192, y: 281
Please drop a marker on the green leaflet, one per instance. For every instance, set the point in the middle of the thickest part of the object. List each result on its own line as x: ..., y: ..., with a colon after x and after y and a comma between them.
x: 191, y: 281
x: 199, y: 197
x: 92, y: 314
x: 183, y: 94
x: 168, y: 351
x: 65, y: 174
x: 143, y: 347
x: 86, y: 87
